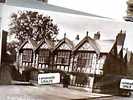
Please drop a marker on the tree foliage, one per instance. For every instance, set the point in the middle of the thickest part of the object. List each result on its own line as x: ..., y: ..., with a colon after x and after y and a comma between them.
x: 28, y: 24
x: 11, y: 51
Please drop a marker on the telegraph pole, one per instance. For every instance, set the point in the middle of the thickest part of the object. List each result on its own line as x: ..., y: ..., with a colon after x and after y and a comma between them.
x: 2, y: 33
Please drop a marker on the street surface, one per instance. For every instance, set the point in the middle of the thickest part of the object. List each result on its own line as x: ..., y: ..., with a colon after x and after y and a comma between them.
x: 49, y: 92
x: 116, y: 98
x: 45, y: 92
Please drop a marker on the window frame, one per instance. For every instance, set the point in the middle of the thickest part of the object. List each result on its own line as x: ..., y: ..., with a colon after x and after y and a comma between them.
x: 64, y: 53
x: 31, y: 59
x: 89, y: 61
x: 45, y: 62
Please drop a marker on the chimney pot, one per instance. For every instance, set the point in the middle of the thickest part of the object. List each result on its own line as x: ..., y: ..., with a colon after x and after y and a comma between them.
x: 87, y: 33
x: 77, y: 37
x: 97, y: 36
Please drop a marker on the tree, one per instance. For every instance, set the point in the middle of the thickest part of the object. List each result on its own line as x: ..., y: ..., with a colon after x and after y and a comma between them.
x: 28, y: 24
x: 11, y: 51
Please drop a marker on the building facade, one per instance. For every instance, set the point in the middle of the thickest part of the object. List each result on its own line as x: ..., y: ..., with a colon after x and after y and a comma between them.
x: 87, y: 61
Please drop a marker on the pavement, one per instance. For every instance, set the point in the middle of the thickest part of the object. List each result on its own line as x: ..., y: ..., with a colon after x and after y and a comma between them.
x: 79, y: 93
x: 46, y: 92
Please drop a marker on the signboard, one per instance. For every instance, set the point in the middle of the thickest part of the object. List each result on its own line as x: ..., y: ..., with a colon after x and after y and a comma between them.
x: 49, y: 78
x: 126, y: 84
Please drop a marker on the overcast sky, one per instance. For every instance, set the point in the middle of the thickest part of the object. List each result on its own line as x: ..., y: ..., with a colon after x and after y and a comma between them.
x: 70, y: 23
x: 109, y: 8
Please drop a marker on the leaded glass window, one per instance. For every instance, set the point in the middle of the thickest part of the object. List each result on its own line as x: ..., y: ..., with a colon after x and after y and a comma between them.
x: 43, y: 56
x: 27, y: 55
x: 62, y: 57
x: 84, y: 61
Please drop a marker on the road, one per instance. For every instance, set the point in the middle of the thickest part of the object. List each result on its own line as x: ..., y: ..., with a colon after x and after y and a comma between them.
x: 116, y: 98
x: 47, y: 92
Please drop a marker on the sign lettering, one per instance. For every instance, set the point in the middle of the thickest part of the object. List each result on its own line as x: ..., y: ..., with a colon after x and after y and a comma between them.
x: 49, y: 78
x: 126, y: 84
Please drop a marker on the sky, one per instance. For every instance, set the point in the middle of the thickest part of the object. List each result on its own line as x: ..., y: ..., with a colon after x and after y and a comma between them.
x: 115, y: 9
x: 70, y: 23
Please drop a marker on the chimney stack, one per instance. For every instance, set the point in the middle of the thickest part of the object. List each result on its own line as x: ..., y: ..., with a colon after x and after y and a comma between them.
x: 97, y: 36
x: 77, y: 37
x: 3, y: 46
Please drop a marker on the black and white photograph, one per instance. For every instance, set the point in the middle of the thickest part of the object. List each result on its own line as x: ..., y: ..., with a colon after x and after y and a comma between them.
x: 66, y: 49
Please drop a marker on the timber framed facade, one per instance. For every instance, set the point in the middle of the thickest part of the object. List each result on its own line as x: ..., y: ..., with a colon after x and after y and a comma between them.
x: 90, y: 58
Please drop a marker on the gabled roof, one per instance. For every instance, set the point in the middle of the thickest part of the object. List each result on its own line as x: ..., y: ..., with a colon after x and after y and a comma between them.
x: 120, y: 38
x: 34, y: 4
x: 89, y: 40
x: 32, y: 42
x: 124, y: 52
x: 49, y: 43
x: 119, y: 48
x: 65, y: 40
x: 105, y: 46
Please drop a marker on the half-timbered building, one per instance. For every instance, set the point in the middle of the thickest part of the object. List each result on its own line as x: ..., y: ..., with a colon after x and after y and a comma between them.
x: 114, y: 65
x: 63, y: 54
x: 43, y: 53
x: 97, y: 58
x: 26, y: 53
x: 90, y: 61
